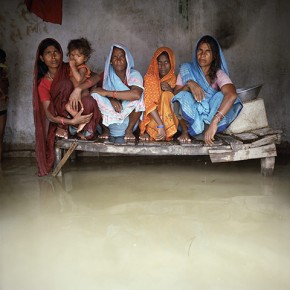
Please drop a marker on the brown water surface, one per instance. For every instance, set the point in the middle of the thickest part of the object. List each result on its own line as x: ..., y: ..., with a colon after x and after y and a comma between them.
x: 134, y: 223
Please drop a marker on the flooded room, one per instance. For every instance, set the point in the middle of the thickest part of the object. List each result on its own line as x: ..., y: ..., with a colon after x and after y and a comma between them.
x: 144, y: 145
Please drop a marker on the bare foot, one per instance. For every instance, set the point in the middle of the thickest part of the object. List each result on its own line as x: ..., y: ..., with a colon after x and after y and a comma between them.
x: 105, y: 134
x: 144, y: 137
x: 129, y: 135
x: 62, y: 133
x: 184, y: 138
x: 161, y: 134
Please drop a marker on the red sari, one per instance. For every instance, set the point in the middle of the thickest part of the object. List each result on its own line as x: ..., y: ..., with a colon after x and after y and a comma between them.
x: 60, y: 91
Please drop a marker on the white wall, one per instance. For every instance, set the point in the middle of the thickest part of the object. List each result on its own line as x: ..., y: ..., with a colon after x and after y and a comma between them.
x: 253, y: 34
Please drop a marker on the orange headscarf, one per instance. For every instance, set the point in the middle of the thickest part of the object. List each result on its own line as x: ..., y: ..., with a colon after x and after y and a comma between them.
x: 155, y: 98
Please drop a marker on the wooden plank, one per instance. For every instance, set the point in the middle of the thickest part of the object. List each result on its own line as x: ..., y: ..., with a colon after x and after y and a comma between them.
x: 229, y: 139
x: 65, y: 158
x: 158, y: 149
x: 266, y: 131
x: 246, y: 137
x: 243, y: 154
x: 264, y: 141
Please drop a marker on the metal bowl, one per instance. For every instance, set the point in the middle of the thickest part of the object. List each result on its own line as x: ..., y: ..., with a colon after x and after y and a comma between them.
x: 249, y: 93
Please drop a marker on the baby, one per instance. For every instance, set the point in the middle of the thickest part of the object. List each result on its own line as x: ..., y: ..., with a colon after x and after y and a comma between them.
x: 79, y: 51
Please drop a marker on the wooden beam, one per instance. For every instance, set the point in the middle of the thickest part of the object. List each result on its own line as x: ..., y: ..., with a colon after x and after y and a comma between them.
x: 243, y: 154
x: 266, y: 131
x: 246, y: 137
x: 65, y: 158
x: 264, y: 141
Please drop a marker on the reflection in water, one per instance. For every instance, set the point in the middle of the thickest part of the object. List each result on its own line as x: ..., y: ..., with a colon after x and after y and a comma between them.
x: 144, y: 223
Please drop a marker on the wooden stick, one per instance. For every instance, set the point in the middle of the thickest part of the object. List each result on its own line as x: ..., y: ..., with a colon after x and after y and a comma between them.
x: 65, y: 158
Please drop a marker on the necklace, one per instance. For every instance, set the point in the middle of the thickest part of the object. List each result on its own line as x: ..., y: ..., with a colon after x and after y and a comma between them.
x: 49, y: 76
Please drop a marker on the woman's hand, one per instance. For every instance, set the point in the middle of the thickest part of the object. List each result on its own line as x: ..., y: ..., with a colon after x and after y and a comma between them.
x: 166, y: 87
x: 81, y: 119
x: 196, y: 90
x: 100, y: 91
x: 75, y: 98
x: 210, y: 132
x: 117, y: 105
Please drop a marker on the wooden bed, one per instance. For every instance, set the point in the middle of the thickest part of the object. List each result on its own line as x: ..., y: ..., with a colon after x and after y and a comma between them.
x: 255, y: 144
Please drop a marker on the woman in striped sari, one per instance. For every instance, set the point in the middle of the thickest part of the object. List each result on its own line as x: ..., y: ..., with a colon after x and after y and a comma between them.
x: 205, y: 94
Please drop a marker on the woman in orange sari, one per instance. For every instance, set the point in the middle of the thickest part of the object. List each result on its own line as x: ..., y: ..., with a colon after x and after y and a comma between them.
x: 159, y: 122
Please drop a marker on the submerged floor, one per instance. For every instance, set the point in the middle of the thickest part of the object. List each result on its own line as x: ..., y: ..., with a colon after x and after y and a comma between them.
x: 135, y: 223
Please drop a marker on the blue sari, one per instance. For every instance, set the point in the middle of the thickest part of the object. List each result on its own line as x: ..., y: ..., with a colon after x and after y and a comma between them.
x: 118, y: 122
x: 198, y: 114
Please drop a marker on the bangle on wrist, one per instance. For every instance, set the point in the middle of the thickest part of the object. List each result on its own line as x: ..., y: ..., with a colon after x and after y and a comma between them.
x: 219, y: 115
x: 160, y: 126
x: 114, y: 94
x: 62, y: 121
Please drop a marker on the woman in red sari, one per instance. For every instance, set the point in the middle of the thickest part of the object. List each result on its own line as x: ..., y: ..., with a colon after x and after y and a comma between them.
x: 51, y: 92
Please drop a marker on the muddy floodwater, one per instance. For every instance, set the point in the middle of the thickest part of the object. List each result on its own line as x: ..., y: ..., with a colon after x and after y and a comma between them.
x: 144, y: 223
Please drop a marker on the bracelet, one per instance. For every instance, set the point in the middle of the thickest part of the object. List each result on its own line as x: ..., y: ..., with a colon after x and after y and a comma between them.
x: 219, y: 115
x: 114, y: 94
x: 160, y: 126
x: 62, y: 121
x: 219, y: 112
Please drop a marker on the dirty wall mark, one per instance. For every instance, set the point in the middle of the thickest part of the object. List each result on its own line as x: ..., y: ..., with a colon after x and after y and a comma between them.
x: 25, y: 24
x: 230, y: 19
x: 183, y: 8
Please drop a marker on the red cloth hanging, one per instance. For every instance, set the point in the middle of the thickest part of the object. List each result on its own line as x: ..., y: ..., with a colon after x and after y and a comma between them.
x: 48, y: 10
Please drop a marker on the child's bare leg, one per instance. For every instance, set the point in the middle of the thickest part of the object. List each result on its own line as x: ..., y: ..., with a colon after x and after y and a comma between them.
x: 81, y: 127
x: 70, y: 110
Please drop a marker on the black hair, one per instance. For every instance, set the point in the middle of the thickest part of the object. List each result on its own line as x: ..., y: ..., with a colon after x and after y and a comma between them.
x: 82, y: 44
x: 165, y: 53
x: 42, y: 68
x: 216, y: 63
x: 2, y: 56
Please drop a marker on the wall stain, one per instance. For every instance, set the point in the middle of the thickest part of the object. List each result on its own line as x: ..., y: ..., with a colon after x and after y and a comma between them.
x: 230, y: 16
x: 18, y: 30
x: 183, y: 7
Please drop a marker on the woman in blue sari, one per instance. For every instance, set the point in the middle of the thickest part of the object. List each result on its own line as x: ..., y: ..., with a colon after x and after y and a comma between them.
x: 204, y: 93
x: 121, y: 98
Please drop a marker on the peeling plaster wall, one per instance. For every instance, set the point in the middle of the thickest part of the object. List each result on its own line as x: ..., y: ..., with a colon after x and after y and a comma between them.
x: 252, y: 33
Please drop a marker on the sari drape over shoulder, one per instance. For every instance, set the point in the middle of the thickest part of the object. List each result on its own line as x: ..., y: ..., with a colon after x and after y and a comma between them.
x: 156, y: 99
x: 60, y: 91
x: 118, y: 122
x: 198, y: 114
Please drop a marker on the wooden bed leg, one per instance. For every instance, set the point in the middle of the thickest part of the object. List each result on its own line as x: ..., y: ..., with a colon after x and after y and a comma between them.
x: 58, y: 153
x: 267, y: 166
